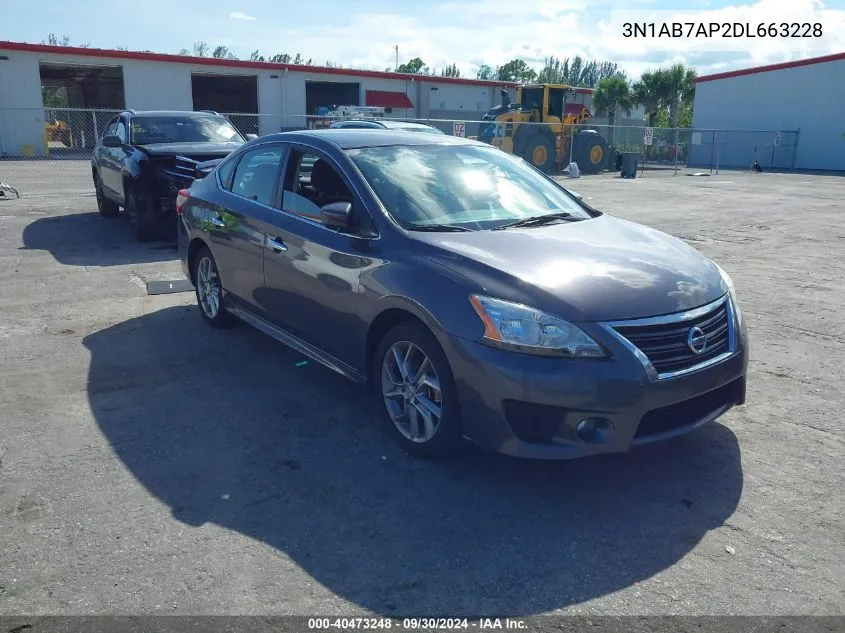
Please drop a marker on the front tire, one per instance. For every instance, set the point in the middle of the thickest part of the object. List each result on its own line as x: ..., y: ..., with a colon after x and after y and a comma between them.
x: 141, y: 213
x: 413, y: 379
x: 106, y: 207
x: 539, y: 150
x: 209, y: 291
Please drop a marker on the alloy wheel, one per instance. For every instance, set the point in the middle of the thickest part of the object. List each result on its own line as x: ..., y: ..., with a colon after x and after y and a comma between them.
x: 208, y: 287
x: 411, y: 391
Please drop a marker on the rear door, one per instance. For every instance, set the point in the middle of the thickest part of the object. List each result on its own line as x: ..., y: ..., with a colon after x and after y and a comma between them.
x: 237, y: 227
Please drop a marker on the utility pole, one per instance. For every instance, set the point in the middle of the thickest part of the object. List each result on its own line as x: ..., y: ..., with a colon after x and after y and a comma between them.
x: 396, y: 48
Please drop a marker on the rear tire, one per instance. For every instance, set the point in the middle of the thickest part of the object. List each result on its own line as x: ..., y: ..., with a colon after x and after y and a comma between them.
x: 106, y: 207
x: 590, y: 152
x: 414, y: 382
x: 142, y: 216
x: 208, y: 287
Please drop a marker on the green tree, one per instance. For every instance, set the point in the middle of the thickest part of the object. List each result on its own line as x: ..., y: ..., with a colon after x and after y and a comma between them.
x: 648, y: 92
x: 416, y: 66
x: 678, y: 91
x: 255, y: 56
x: 450, y: 71
x: 485, y: 72
x: 577, y: 71
x: 222, y: 52
x: 57, y: 40
x: 613, y: 96
x: 516, y: 70
x: 200, y: 49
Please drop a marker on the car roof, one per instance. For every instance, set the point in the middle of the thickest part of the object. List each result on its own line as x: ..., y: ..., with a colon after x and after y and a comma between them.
x: 356, y: 123
x: 406, y: 125
x: 352, y: 138
x: 173, y: 113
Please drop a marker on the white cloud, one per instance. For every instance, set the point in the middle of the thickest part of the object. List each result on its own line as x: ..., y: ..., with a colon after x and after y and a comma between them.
x: 237, y: 15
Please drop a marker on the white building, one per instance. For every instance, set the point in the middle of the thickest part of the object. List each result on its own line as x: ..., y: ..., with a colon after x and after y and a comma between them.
x: 785, y: 116
x: 277, y: 95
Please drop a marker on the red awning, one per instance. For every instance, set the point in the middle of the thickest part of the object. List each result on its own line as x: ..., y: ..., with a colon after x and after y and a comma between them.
x: 386, y: 99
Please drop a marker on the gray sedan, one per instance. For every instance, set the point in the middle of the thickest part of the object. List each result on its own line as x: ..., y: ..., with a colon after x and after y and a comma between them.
x: 478, y: 298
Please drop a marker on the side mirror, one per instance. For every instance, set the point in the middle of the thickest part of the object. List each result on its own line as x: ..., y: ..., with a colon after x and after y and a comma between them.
x: 251, y: 137
x: 337, y: 215
x: 112, y: 140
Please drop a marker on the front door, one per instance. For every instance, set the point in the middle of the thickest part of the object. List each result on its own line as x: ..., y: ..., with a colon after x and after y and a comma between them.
x: 311, y: 271
x: 109, y: 168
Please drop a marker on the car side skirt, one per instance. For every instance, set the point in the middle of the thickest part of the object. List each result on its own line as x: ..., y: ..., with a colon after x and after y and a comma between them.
x: 297, y: 344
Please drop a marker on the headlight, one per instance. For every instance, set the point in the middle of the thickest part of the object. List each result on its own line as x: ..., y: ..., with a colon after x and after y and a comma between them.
x: 731, y: 291
x: 728, y: 281
x: 525, y: 329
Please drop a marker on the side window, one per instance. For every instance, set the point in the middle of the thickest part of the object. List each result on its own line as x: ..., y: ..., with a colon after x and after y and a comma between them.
x: 226, y: 171
x: 121, y: 131
x: 257, y: 173
x: 311, y: 183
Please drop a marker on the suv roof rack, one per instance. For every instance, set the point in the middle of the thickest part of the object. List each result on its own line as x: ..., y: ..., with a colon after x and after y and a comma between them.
x: 210, y: 112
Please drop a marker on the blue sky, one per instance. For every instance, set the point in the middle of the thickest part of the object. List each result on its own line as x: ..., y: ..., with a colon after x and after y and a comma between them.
x: 362, y: 33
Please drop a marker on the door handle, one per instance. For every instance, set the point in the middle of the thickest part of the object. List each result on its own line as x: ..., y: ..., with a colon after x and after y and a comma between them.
x: 218, y: 222
x: 276, y: 245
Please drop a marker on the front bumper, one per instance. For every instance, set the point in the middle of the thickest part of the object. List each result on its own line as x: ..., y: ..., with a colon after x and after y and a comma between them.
x: 531, y: 406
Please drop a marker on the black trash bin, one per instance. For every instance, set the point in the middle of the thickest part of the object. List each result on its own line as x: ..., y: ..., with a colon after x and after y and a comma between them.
x: 630, y: 162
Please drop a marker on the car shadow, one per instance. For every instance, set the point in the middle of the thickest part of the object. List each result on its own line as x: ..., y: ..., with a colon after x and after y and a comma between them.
x: 88, y: 239
x: 231, y: 428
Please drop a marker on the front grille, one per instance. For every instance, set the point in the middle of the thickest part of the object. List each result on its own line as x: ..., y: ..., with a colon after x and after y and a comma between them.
x: 666, y: 345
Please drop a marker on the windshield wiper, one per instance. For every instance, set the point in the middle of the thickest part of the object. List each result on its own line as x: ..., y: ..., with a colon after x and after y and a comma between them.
x: 537, y: 220
x: 438, y: 228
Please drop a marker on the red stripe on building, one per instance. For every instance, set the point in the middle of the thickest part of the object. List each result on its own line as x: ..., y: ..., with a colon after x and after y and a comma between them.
x: 763, y: 69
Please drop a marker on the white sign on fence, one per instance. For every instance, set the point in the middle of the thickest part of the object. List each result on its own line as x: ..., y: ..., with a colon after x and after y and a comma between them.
x: 777, y: 139
x: 459, y: 129
x: 648, y: 136
x: 696, y: 138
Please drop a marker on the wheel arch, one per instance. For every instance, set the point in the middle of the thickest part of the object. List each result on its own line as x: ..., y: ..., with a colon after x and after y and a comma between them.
x: 194, y: 248
x: 393, y: 314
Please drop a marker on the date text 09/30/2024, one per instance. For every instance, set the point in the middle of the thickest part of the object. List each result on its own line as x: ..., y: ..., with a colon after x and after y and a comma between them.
x: 771, y: 30
x: 416, y: 624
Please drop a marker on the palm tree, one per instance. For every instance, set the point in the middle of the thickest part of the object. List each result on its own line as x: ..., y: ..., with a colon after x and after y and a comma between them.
x: 677, y: 90
x: 648, y: 92
x: 613, y: 95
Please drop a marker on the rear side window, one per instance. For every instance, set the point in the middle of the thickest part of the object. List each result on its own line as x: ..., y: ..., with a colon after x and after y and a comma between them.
x: 226, y: 171
x: 257, y: 174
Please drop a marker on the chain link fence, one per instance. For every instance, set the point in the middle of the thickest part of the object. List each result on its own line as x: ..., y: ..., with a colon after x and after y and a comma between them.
x: 48, y: 151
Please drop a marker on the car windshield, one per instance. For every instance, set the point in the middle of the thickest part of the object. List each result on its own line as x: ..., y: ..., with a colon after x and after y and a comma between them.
x: 147, y: 130
x: 468, y: 186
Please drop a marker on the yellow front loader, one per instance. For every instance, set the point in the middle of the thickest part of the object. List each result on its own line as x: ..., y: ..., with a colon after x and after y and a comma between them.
x: 541, y: 128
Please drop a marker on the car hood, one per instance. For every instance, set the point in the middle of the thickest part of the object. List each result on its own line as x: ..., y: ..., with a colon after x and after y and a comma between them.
x: 600, y: 269
x: 190, y: 149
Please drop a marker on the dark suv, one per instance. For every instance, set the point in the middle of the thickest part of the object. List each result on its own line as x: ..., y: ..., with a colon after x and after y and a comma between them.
x: 144, y: 158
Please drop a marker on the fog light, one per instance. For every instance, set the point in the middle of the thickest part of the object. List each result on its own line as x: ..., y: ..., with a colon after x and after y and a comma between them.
x: 594, y: 430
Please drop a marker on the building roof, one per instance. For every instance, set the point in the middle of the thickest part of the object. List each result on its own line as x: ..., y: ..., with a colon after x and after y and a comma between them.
x: 763, y: 69
x: 238, y: 63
